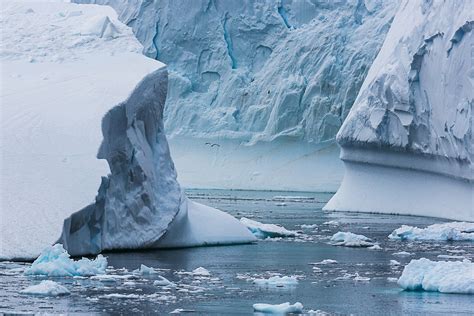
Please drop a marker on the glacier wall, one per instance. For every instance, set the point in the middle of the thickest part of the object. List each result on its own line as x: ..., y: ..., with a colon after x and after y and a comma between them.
x: 412, y: 120
x: 259, y: 70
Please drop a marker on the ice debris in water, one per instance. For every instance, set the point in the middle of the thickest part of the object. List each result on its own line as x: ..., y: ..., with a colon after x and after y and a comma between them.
x: 144, y: 270
x: 54, y: 261
x: 46, y: 288
x: 453, y: 231
x: 402, y: 254
x: 375, y: 247
x: 438, y: 276
x: 162, y: 281
x: 201, y: 272
x: 325, y: 261
x: 348, y: 239
x: 277, y: 281
x: 278, y: 308
x: 263, y: 231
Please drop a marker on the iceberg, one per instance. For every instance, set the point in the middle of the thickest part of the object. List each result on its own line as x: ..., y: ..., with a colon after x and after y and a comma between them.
x: 263, y: 231
x: 258, y: 85
x: 349, y: 239
x: 46, y: 288
x: 279, y: 309
x: 407, y: 141
x: 438, y: 276
x: 454, y: 231
x: 54, y: 261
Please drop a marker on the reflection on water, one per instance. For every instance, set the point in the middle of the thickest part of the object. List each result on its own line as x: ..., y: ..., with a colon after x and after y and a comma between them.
x: 230, y: 290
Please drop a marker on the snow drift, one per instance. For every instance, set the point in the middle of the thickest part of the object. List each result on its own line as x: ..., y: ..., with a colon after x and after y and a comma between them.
x: 247, y: 73
x: 407, y: 142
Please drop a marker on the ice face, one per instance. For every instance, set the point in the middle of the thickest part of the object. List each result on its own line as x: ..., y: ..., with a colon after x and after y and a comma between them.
x: 259, y: 70
x: 411, y: 124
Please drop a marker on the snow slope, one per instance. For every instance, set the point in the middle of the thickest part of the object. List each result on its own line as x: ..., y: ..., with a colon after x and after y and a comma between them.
x: 407, y: 143
x: 246, y: 72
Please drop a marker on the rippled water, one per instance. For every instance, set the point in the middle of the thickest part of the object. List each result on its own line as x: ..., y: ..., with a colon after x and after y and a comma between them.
x: 230, y: 290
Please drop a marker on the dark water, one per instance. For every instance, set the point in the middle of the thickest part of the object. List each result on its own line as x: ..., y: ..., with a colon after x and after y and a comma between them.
x: 230, y: 292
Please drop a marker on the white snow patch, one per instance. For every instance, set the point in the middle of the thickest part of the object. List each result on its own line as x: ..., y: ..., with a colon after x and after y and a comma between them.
x: 46, y: 288
x: 438, y: 276
x: 283, y: 308
x: 54, y: 261
x: 349, y: 239
x: 453, y: 231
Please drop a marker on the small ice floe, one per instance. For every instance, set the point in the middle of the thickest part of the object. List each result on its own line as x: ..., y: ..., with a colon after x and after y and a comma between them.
x: 317, y: 312
x: 453, y: 231
x: 325, y: 261
x: 332, y: 223
x: 451, y: 257
x: 281, y: 309
x: 144, y: 270
x: 263, y: 231
x: 394, y: 263
x: 438, y: 276
x: 278, y: 281
x: 311, y: 226
x: 392, y: 280
x: 201, y: 272
x: 280, y: 204
x: 182, y: 310
x: 375, y: 247
x: 361, y: 278
x: 112, y: 277
x: 162, y: 281
x: 119, y: 296
x: 46, y: 288
x: 348, y: 239
x: 402, y: 254
x: 54, y: 261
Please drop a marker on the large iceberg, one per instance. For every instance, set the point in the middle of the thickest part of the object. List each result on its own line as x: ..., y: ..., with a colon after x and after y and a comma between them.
x: 407, y: 143
x: 259, y: 89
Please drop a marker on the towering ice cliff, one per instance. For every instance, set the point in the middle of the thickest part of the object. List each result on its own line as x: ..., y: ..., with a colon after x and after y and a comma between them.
x: 282, y: 74
x: 407, y: 143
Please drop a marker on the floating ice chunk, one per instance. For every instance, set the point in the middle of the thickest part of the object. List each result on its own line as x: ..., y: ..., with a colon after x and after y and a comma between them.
x: 317, y: 312
x: 112, y: 277
x: 438, y: 276
x: 278, y: 308
x: 394, y: 263
x: 311, y: 226
x: 54, y: 261
x: 392, y: 280
x: 348, y: 239
x: 162, y: 281
x: 332, y: 223
x: 325, y: 261
x: 182, y: 310
x: 280, y: 204
x: 453, y: 231
x: 361, y: 278
x: 451, y: 257
x: 263, y: 231
x: 201, y: 272
x: 120, y: 296
x: 46, y: 288
x: 277, y: 281
x: 375, y: 247
x: 402, y: 254
x: 144, y: 270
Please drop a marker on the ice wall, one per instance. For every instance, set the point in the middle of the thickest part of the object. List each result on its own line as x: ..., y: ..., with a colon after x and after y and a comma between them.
x: 258, y: 70
x: 407, y: 142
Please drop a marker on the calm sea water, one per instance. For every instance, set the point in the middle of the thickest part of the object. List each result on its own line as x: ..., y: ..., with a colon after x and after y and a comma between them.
x: 230, y: 290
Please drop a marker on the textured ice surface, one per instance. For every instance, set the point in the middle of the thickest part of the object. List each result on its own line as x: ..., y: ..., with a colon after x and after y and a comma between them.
x: 454, y: 231
x: 407, y: 142
x: 46, y: 288
x: 57, y: 86
x: 54, y: 261
x: 348, y: 239
x: 438, y: 276
x: 279, y: 309
x: 263, y: 231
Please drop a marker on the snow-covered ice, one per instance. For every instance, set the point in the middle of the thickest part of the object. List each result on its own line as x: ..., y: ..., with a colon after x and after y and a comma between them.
x: 278, y: 281
x: 453, y: 231
x: 54, y: 261
x: 349, y: 239
x: 46, y: 288
x: 438, y: 276
x: 262, y: 231
x: 279, y: 309
x: 407, y: 141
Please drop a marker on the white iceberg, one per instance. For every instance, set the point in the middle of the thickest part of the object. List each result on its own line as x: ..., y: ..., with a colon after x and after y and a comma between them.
x: 407, y: 141
x: 54, y: 261
x: 349, y: 239
x: 438, y: 276
x: 262, y: 231
x: 145, y: 270
x: 278, y: 281
x: 279, y: 309
x: 46, y: 288
x: 453, y: 231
